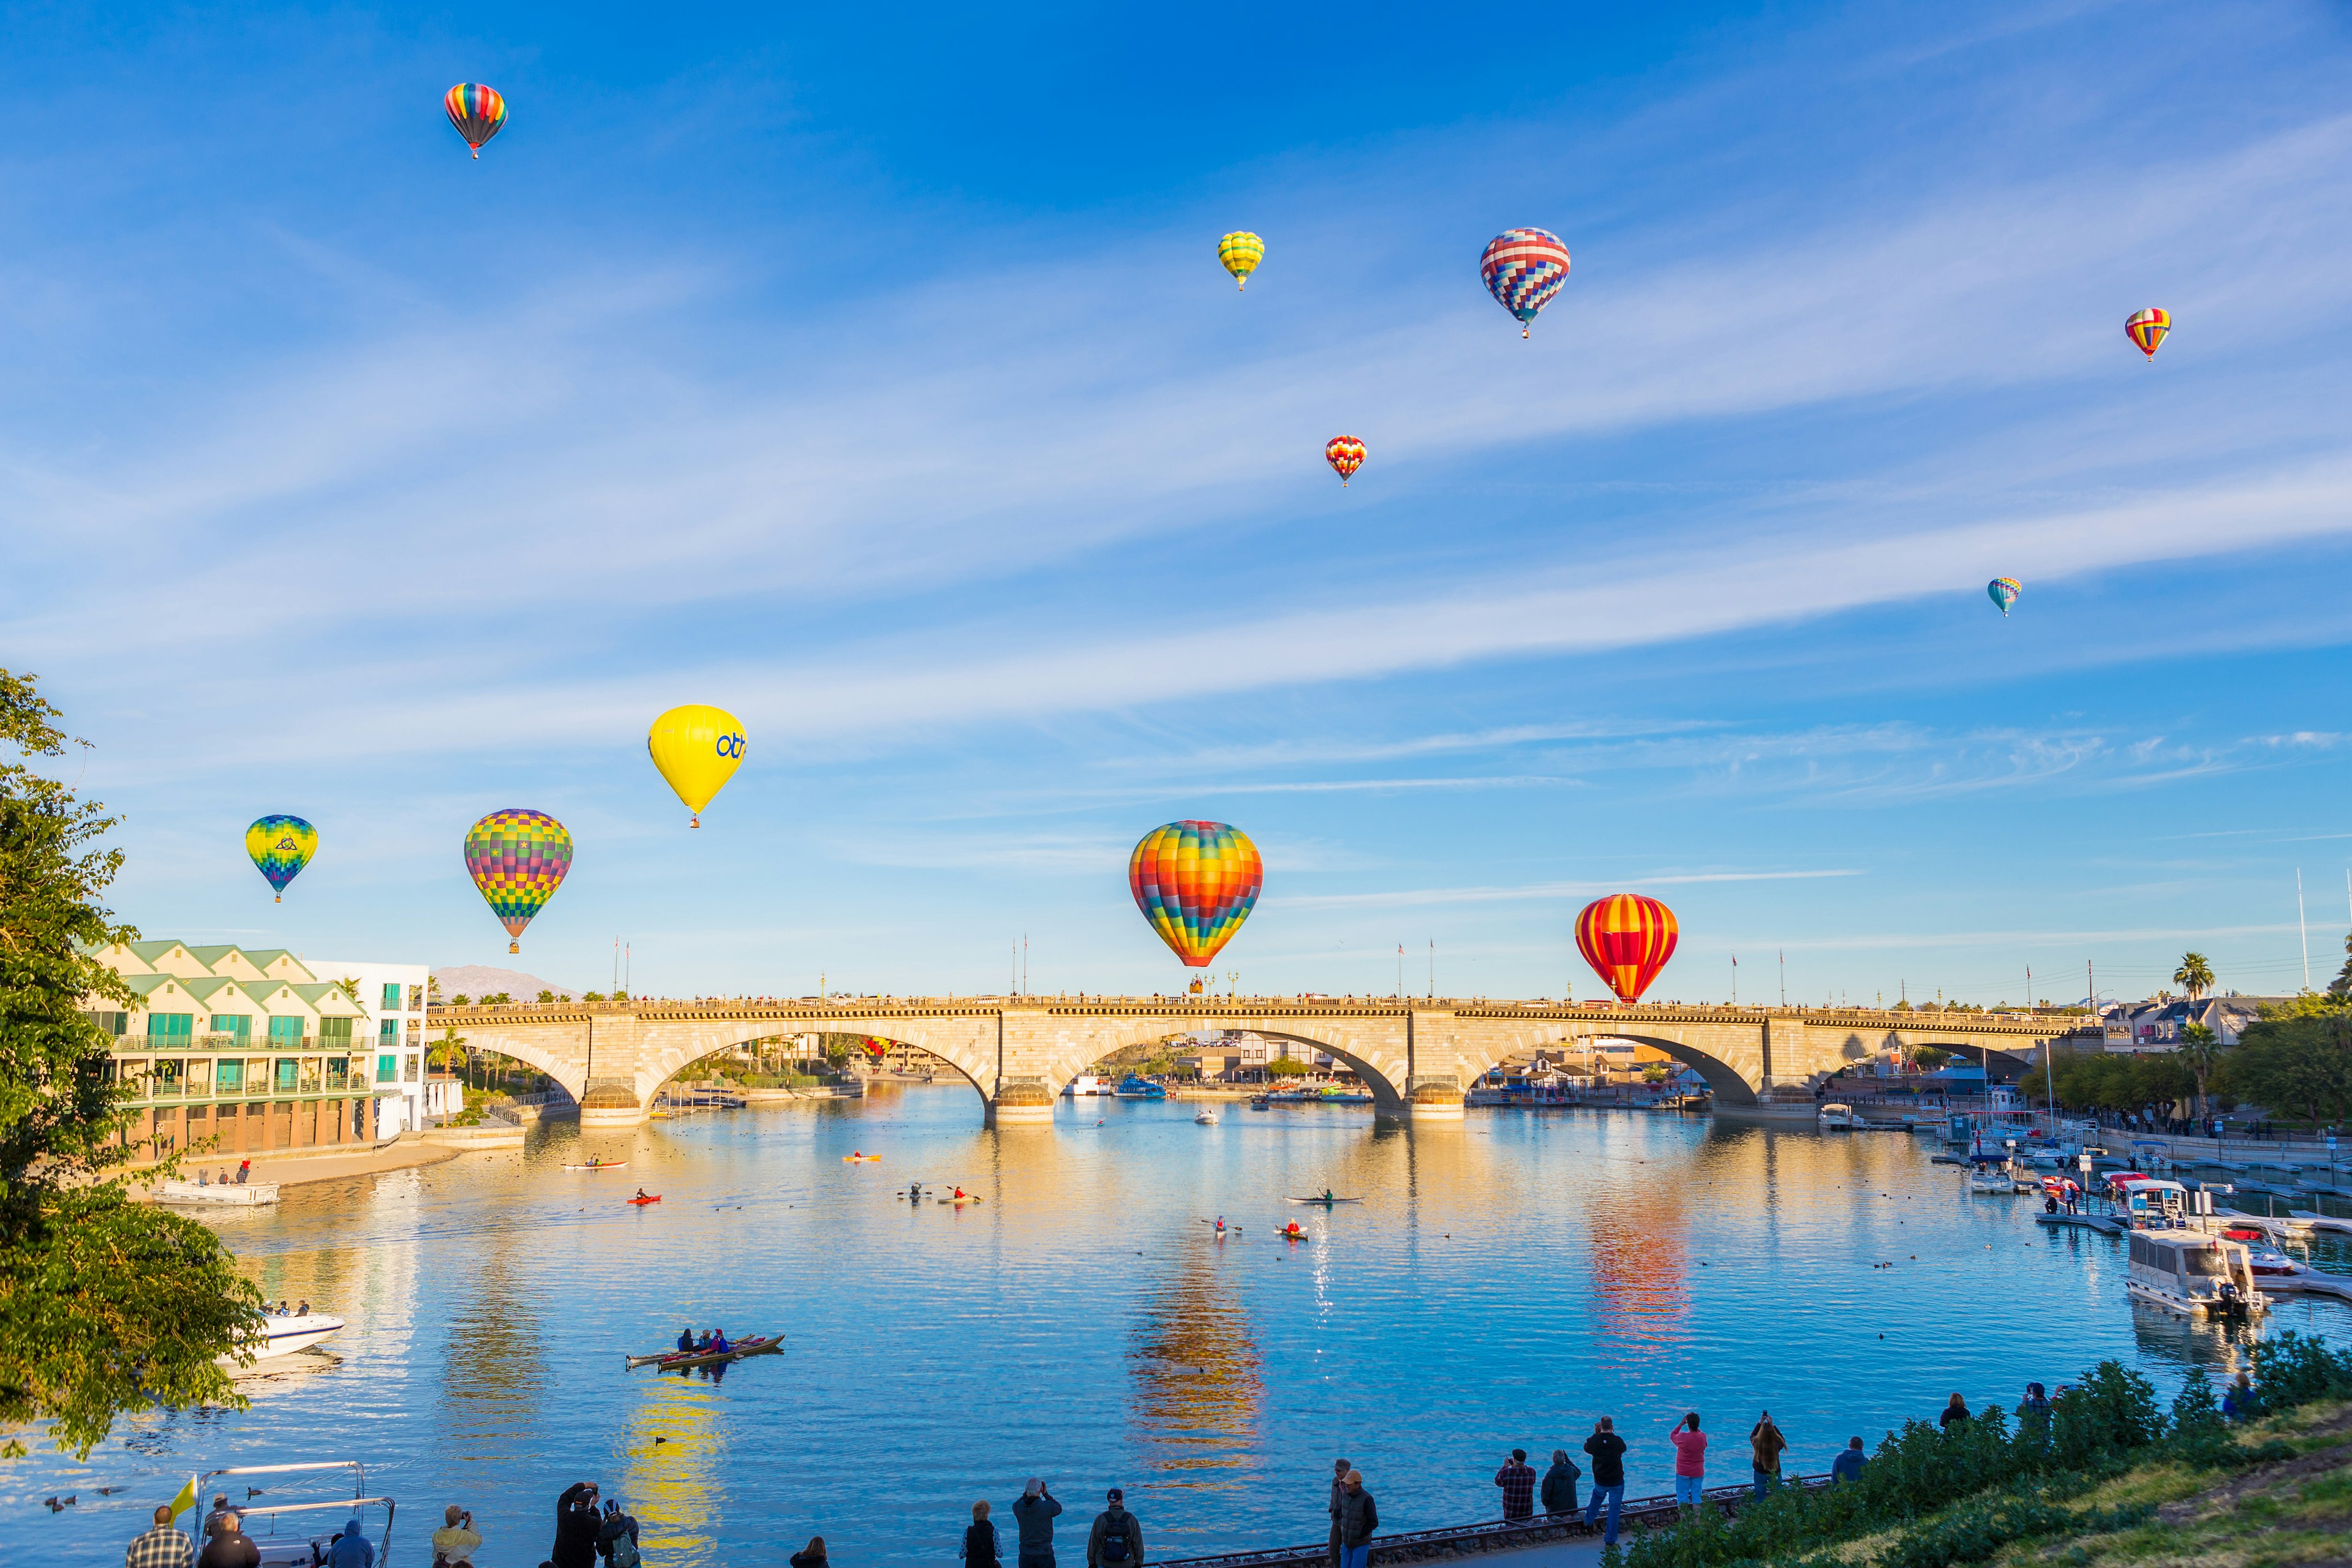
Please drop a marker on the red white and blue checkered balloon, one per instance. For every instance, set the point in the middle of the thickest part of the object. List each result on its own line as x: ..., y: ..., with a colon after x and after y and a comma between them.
x: 1524, y: 268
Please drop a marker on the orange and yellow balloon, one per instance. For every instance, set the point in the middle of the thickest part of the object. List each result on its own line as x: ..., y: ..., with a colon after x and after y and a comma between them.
x: 698, y: 749
x: 1195, y: 882
x: 1627, y: 939
x: 1346, y: 455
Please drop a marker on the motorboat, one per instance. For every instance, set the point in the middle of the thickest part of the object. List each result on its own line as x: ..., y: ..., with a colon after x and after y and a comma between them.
x: 1258, y: 1102
x: 1134, y: 1087
x: 2263, y: 1255
x: 1835, y: 1118
x: 1086, y: 1085
x: 284, y: 1336
x: 208, y: 1194
x: 2192, y: 1273
x: 1206, y: 1116
x: 266, y: 1524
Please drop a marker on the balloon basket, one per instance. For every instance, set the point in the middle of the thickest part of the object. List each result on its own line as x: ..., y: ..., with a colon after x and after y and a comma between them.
x: 514, y: 947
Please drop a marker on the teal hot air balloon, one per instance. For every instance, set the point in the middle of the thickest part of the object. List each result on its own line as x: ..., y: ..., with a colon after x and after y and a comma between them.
x: 281, y: 847
x: 2003, y: 591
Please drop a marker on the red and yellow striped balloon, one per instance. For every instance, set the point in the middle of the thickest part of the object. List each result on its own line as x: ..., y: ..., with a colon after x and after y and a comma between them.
x: 1346, y: 455
x: 1195, y: 882
x: 1627, y: 939
x: 477, y: 112
x: 2147, y: 329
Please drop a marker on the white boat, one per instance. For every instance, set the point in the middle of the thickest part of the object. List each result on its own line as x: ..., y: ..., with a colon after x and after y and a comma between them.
x: 284, y: 1336
x: 1993, y: 1180
x: 2192, y: 1273
x: 1205, y: 1116
x: 2262, y: 1256
x: 284, y: 1541
x: 236, y: 1194
x: 1086, y: 1085
x: 1836, y: 1118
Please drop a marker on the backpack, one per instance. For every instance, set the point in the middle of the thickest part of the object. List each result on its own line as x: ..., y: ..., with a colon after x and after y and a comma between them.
x: 625, y: 1550
x: 1116, y: 1547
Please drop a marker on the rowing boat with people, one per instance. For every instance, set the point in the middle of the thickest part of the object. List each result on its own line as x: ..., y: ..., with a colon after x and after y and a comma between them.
x: 772, y: 1344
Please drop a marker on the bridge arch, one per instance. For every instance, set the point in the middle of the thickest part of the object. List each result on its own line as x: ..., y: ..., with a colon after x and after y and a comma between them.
x: 1383, y: 1078
x: 1732, y: 1081
x: 666, y: 1057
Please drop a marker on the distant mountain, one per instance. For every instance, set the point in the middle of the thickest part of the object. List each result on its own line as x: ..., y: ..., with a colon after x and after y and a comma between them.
x: 479, y: 979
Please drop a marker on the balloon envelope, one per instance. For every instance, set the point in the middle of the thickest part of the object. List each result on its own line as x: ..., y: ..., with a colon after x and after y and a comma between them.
x: 1627, y: 939
x: 281, y: 847
x: 1524, y: 268
x: 477, y: 112
x: 518, y: 858
x: 1240, y: 253
x: 1195, y: 882
x: 1346, y: 455
x: 2003, y: 591
x: 2147, y: 329
x: 698, y: 749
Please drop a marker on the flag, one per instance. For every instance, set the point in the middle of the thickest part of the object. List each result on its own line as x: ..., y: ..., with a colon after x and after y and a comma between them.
x: 186, y: 1499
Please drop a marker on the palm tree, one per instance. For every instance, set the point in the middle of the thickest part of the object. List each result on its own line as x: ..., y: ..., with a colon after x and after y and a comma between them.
x: 2200, y: 1052
x: 2195, y: 975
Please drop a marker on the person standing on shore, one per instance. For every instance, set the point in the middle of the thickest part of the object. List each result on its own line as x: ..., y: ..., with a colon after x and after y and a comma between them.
x: 229, y: 1548
x: 979, y: 1549
x: 1034, y: 1513
x: 1956, y: 1414
x: 1358, y: 1518
x: 576, y: 1527
x: 1560, y: 1484
x: 1766, y: 1440
x: 1518, y: 1480
x: 1690, y: 1460
x: 1847, y: 1466
x: 457, y: 1538
x: 1117, y: 1539
x: 1608, y: 1451
x: 812, y: 1555
x: 165, y: 1546
x: 1340, y: 1468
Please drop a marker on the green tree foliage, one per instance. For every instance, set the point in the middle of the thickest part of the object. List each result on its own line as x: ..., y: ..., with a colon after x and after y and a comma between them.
x: 1286, y: 1067
x: 2101, y: 1080
x: 105, y: 1304
x: 2195, y: 974
x: 2297, y: 1062
x: 2341, y: 986
x: 2203, y: 1053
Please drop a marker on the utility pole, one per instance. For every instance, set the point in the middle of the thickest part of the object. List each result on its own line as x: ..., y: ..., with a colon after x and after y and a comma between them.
x: 1400, y: 990
x: 2029, y: 990
x: 1433, y: 945
x: 2300, y: 926
x: 1784, y: 977
x: 1024, y: 963
x: 617, y: 962
x: 1735, y: 979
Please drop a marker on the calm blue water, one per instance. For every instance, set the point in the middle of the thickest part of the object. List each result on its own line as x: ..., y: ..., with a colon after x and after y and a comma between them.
x: 1505, y: 1283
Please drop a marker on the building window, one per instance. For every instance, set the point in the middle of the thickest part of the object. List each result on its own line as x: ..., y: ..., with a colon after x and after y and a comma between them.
x: 235, y: 1024
x: 417, y: 999
x: 408, y: 1069
x: 288, y: 1071
x: 309, y: 1075
x: 339, y: 1072
x: 110, y: 1022
x: 387, y: 1070
x: 232, y: 1077
x: 171, y: 1026
x: 168, y: 1070
x: 388, y: 1029
x: 285, y: 1032
x: 333, y: 1032
x: 200, y: 1080
x: 392, y: 995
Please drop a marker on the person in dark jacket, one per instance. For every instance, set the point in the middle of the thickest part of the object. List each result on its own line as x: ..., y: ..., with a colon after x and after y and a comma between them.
x: 1340, y: 1468
x: 1360, y: 1516
x: 1847, y: 1466
x: 1954, y: 1414
x: 1608, y: 1451
x: 812, y: 1555
x: 576, y: 1527
x: 1034, y: 1513
x: 617, y: 1537
x: 1117, y: 1539
x: 980, y: 1538
x: 1518, y: 1480
x: 1558, y: 1494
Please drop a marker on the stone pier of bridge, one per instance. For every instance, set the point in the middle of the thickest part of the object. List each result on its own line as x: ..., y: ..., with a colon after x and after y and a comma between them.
x: 1418, y: 1058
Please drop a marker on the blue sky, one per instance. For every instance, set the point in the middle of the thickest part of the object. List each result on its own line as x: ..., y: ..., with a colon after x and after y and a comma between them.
x: 882, y: 386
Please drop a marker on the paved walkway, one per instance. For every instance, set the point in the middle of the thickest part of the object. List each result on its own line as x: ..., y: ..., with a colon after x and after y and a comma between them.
x: 302, y: 1170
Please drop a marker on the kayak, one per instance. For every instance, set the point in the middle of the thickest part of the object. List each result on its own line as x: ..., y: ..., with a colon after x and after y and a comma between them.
x: 1327, y: 1200
x: 654, y: 1199
x: 860, y: 1159
x: 601, y: 1165
x: 771, y: 1345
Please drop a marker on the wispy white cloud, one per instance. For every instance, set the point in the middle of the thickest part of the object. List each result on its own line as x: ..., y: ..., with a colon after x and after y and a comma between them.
x: 1538, y: 891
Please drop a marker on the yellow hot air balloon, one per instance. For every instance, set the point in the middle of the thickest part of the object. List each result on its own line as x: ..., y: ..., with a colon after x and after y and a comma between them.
x: 698, y: 748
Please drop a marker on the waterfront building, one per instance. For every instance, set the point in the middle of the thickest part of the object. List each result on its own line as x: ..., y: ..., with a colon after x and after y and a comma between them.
x: 2156, y: 1025
x: 252, y: 1051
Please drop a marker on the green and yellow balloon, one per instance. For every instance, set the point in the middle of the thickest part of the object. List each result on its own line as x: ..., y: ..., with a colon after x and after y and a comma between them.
x: 281, y: 847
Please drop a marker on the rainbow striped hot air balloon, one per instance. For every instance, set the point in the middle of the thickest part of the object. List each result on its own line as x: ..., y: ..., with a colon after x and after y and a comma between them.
x: 2003, y: 591
x: 1241, y: 252
x: 2147, y: 329
x: 1346, y: 455
x: 281, y: 847
x: 518, y: 858
x: 1524, y: 268
x: 477, y: 112
x: 1195, y: 882
x: 1627, y: 939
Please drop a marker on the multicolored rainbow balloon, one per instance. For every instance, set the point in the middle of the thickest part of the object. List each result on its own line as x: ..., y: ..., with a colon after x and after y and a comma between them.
x: 281, y: 847
x: 1524, y: 268
x: 2003, y: 591
x: 1346, y: 455
x: 477, y: 112
x: 518, y: 858
x: 2147, y: 329
x: 1627, y: 939
x: 1241, y: 252
x: 1195, y: 882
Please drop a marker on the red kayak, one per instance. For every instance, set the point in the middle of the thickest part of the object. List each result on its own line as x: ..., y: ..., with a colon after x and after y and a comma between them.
x: 654, y: 1199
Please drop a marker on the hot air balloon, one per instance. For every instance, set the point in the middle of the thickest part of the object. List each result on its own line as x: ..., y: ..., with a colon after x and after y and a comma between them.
x: 518, y: 858
x: 2004, y: 591
x: 1195, y: 882
x: 1524, y: 268
x: 1627, y: 939
x: 2146, y: 330
x: 1240, y: 253
x: 698, y: 748
x: 281, y: 847
x: 477, y: 112
x: 1346, y: 454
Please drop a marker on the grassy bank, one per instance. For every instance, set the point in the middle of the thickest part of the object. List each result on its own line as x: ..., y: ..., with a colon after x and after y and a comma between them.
x: 2107, y: 1476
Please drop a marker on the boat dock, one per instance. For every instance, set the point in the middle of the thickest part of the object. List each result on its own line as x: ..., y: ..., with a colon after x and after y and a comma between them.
x: 2313, y: 1282
x: 2097, y: 1222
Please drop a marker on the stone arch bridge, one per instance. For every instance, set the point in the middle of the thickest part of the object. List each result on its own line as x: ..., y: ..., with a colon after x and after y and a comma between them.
x: 1018, y: 1053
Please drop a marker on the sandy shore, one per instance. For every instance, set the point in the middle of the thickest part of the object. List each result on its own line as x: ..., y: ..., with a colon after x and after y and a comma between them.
x: 301, y: 1170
